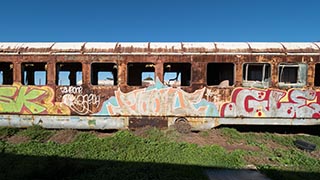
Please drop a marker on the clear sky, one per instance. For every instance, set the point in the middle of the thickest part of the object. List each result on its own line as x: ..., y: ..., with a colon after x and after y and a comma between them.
x: 159, y: 20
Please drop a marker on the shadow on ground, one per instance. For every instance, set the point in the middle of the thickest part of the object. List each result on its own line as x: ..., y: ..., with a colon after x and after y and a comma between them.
x: 32, y: 167
x: 311, y: 130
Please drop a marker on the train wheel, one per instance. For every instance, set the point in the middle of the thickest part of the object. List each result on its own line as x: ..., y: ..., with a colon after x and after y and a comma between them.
x: 182, y: 125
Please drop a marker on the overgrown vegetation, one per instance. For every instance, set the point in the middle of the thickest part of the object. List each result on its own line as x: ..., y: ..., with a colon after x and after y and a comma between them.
x: 151, y: 154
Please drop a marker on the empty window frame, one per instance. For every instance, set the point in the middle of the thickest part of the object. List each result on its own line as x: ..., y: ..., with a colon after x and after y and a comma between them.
x: 256, y: 75
x: 6, y: 73
x: 34, y: 74
x: 104, y: 74
x: 292, y: 75
x: 220, y: 74
x: 177, y: 74
x: 141, y: 74
x: 317, y: 75
x: 69, y: 74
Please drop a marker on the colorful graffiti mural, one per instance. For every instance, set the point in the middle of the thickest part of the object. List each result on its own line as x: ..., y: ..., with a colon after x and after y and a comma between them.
x: 162, y: 100
x: 30, y: 100
x: 294, y: 103
x: 159, y: 100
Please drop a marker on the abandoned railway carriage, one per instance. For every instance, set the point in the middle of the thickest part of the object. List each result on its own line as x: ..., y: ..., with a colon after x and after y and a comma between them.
x: 130, y: 85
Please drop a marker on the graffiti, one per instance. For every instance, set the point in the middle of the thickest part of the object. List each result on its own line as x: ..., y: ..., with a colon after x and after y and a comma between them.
x: 294, y: 103
x: 214, y: 96
x: 29, y: 100
x: 77, y: 102
x: 209, y: 94
x: 71, y: 90
x: 161, y: 100
x: 81, y: 103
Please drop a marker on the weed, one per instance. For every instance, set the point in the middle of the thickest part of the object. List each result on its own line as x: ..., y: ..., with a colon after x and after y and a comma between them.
x: 283, y: 140
x: 231, y: 133
x: 153, y: 156
x: 7, y: 131
x: 36, y: 133
x: 204, y: 133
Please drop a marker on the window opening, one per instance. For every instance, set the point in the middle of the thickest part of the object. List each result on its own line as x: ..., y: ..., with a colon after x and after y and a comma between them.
x: 220, y: 74
x: 105, y: 74
x: 288, y: 74
x: 317, y: 75
x: 34, y: 74
x: 69, y: 74
x: 141, y: 74
x: 256, y: 74
x: 177, y: 74
x: 292, y: 75
x: 6, y: 73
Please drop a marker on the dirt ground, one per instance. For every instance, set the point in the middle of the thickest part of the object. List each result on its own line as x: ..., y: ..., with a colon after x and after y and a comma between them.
x: 215, y: 137
x: 64, y: 136
x: 16, y: 139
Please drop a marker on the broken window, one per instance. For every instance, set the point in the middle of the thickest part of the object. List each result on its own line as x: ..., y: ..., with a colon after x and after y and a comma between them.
x: 6, y: 73
x: 220, y: 74
x: 317, y: 75
x: 69, y: 74
x: 292, y: 75
x: 141, y: 74
x: 177, y: 74
x: 34, y: 74
x: 256, y: 75
x: 105, y: 74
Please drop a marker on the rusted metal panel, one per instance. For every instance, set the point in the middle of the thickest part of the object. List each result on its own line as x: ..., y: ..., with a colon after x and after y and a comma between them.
x: 132, y: 47
x: 107, y: 47
x: 138, y: 122
x: 203, y: 105
x: 67, y: 47
x: 25, y: 47
x: 229, y: 47
x: 71, y: 122
x: 159, y: 48
x: 300, y: 47
x: 199, y: 48
x: 166, y: 47
x: 272, y: 48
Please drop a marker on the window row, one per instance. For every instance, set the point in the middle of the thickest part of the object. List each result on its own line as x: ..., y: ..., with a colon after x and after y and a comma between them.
x: 101, y: 74
x: 174, y: 74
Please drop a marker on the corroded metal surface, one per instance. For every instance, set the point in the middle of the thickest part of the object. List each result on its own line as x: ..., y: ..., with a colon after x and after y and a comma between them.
x: 203, y: 105
x: 138, y: 122
x: 159, y: 48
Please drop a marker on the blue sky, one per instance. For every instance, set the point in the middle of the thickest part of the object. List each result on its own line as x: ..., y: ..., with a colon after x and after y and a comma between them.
x: 159, y: 20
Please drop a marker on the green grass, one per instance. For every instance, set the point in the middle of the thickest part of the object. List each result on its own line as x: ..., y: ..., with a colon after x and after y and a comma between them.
x: 136, y: 157
x: 36, y: 133
x: 155, y: 155
x: 7, y: 132
x: 284, y: 160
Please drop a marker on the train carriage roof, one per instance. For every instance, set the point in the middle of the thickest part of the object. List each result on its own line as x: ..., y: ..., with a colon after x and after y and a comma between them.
x: 177, y: 48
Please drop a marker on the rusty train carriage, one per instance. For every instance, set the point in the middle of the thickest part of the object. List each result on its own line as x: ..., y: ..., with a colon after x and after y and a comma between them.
x: 62, y: 85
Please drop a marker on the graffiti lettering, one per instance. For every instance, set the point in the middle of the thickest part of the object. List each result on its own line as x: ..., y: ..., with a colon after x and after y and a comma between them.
x: 159, y: 100
x: 81, y: 103
x: 71, y: 90
x: 272, y: 103
x: 29, y: 100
